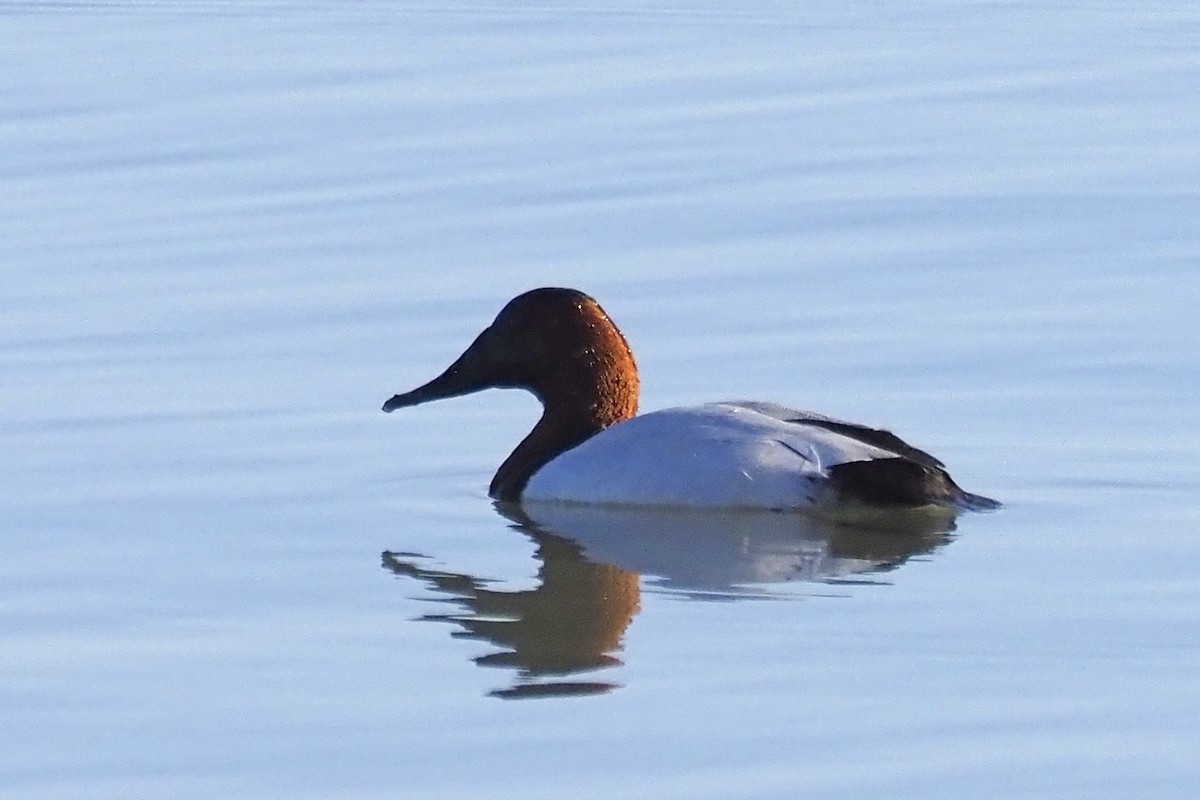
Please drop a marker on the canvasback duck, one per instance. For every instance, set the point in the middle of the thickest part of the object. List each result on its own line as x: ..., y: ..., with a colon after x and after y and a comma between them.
x: 590, y: 445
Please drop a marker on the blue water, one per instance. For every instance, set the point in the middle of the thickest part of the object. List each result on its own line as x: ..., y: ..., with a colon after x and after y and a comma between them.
x: 229, y: 231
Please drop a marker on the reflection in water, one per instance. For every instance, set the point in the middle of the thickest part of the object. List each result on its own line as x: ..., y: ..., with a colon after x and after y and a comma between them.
x: 569, y: 624
x: 592, y: 559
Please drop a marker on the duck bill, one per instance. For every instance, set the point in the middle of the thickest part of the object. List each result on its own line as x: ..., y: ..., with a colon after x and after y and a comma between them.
x: 464, y: 376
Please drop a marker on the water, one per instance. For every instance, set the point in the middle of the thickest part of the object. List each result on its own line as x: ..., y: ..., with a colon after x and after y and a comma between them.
x: 230, y: 231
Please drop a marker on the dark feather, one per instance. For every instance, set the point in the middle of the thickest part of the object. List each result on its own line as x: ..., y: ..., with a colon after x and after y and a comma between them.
x: 901, y: 482
x: 875, y: 437
x: 890, y: 482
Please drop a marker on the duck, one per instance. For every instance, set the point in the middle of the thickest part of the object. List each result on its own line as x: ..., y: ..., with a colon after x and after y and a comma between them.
x: 591, y: 446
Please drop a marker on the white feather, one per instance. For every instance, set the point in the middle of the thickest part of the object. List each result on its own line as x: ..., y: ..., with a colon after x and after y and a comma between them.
x: 720, y: 455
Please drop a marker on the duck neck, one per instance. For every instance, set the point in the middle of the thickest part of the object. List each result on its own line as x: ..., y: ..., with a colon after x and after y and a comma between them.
x: 565, y: 423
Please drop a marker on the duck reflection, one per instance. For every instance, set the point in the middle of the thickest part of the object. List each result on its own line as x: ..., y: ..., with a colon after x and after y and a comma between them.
x: 592, y: 563
x: 571, y: 623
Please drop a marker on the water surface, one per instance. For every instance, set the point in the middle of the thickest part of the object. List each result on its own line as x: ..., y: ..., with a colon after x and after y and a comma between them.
x: 230, y: 231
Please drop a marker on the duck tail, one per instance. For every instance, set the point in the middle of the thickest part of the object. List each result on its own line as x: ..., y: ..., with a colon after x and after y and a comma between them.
x: 966, y: 501
x: 891, y: 482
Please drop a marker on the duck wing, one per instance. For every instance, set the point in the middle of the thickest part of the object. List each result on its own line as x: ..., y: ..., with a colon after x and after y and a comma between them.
x: 874, y: 437
x: 910, y: 476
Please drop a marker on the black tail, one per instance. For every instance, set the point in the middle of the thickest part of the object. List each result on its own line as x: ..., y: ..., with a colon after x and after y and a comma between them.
x: 975, y: 502
x: 899, y: 482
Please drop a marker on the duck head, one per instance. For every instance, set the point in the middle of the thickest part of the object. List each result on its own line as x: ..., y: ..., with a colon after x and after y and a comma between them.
x: 560, y: 345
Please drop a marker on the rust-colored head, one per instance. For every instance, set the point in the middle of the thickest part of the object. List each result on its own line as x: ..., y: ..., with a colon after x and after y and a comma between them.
x: 560, y: 345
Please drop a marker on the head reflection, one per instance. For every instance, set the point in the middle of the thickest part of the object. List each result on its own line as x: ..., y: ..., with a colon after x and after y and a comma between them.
x: 592, y: 560
x: 570, y: 624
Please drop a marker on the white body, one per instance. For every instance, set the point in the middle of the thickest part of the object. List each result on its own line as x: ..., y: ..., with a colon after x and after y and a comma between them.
x: 720, y: 455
